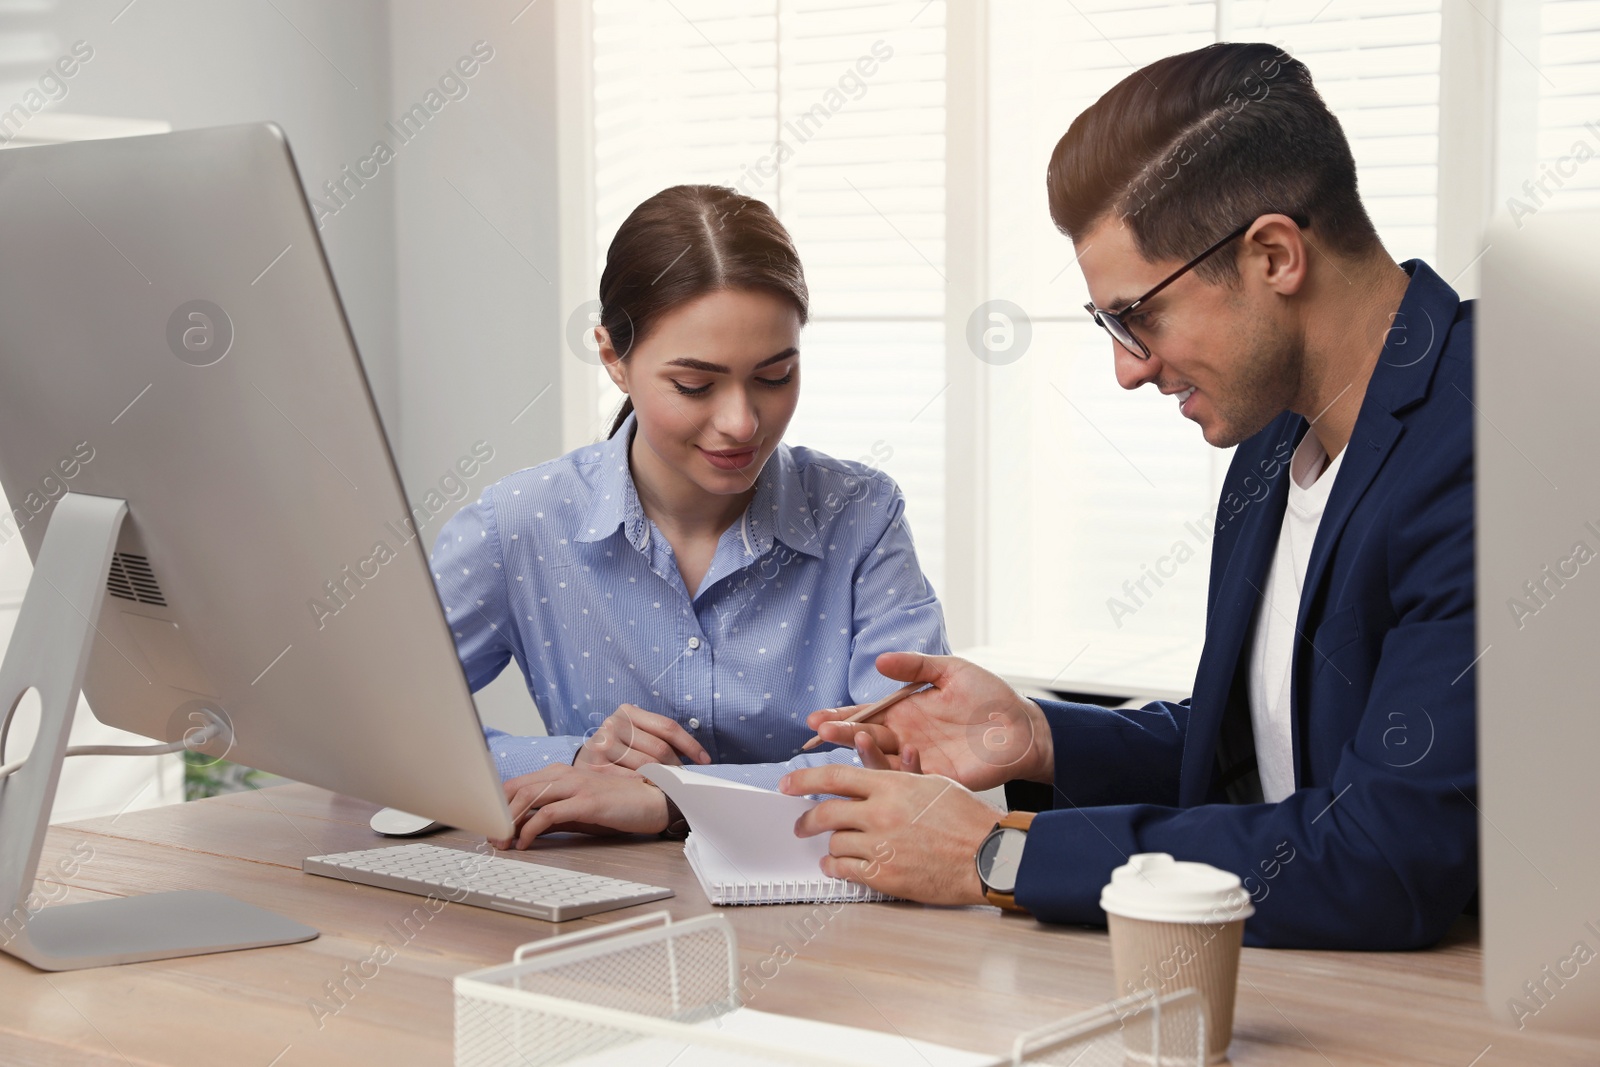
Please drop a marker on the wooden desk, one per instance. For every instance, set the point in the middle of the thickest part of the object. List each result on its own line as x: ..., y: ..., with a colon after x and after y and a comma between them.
x: 967, y: 977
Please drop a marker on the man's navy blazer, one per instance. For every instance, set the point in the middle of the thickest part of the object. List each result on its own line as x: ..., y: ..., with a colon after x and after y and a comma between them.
x: 1377, y: 848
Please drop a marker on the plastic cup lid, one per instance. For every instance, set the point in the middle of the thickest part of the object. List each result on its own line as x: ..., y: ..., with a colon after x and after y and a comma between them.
x: 1157, y: 888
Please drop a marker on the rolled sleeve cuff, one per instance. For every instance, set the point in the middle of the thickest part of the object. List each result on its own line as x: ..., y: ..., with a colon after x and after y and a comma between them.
x: 1067, y: 861
x: 516, y: 756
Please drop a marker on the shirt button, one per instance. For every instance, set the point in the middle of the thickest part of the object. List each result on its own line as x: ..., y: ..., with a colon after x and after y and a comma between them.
x: 694, y: 724
x: 694, y: 642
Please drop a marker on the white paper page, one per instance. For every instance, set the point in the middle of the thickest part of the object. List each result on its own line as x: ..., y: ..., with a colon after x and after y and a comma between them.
x: 748, y: 830
x: 845, y: 1043
x: 712, y: 867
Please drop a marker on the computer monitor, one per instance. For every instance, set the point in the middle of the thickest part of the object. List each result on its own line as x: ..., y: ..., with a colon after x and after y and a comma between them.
x: 171, y: 338
x: 1538, y: 675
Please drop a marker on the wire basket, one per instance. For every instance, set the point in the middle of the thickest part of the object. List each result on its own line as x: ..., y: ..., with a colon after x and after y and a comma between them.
x: 648, y: 992
x: 1142, y: 1029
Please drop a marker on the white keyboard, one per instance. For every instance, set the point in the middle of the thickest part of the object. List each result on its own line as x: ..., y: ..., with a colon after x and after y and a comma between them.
x: 463, y: 877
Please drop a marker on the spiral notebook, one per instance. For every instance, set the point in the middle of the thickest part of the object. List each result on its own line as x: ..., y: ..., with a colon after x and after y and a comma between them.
x: 742, y: 844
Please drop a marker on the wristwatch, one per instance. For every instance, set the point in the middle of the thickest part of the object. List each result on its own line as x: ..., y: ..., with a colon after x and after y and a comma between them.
x: 677, y: 826
x: 1000, y: 856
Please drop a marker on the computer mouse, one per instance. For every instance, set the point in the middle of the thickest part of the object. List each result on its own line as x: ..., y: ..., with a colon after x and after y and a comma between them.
x: 392, y: 822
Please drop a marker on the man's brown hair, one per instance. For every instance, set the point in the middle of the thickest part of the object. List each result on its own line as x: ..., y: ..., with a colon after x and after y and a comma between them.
x: 1194, y: 145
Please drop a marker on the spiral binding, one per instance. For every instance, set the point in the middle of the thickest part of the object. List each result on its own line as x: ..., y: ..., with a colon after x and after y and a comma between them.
x: 795, y: 891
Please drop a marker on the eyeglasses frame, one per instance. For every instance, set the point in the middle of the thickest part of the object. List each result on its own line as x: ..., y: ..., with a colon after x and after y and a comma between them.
x: 1143, y: 353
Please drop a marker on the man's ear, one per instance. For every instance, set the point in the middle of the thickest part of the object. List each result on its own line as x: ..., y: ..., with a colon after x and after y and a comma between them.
x: 612, y: 362
x: 1276, y: 252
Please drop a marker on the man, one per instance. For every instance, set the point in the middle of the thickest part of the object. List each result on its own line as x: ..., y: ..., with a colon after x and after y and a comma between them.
x: 1327, y: 756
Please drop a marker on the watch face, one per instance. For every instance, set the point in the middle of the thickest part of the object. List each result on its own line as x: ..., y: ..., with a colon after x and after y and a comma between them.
x: 999, y: 858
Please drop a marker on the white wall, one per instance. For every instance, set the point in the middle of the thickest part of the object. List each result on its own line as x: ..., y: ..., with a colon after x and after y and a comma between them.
x: 476, y: 226
x: 453, y: 322
x: 318, y: 70
x: 201, y: 63
x: 438, y: 258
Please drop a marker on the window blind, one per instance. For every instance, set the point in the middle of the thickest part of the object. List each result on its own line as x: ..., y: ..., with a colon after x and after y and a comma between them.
x: 1568, y: 64
x: 833, y: 114
x: 1376, y: 63
x: 1104, y: 499
x: 1091, y: 486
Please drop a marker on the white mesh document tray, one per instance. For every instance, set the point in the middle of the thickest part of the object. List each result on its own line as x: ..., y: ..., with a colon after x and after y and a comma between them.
x: 649, y: 992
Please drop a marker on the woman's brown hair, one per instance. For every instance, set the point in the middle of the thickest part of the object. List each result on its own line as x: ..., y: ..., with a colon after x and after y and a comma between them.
x: 683, y: 243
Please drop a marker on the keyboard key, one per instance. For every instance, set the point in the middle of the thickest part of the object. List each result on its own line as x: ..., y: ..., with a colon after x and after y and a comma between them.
x: 494, y: 882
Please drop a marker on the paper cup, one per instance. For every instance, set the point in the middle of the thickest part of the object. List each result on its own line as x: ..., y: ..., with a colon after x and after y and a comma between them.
x: 1176, y: 926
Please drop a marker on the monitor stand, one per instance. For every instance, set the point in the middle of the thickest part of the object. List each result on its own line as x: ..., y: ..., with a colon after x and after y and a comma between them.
x: 49, y: 651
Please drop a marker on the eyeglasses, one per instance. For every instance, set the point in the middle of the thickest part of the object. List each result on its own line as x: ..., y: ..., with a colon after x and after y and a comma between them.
x: 1111, y: 321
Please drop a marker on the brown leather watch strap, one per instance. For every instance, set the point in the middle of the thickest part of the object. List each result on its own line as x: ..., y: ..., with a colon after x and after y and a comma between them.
x: 677, y: 826
x: 1013, y: 820
x: 1017, y: 820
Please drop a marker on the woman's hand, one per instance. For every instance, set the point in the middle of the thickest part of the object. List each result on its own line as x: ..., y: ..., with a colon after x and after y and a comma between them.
x: 632, y: 737
x: 562, y: 799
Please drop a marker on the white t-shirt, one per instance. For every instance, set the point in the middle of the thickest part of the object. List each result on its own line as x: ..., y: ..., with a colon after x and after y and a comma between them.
x: 1273, y: 648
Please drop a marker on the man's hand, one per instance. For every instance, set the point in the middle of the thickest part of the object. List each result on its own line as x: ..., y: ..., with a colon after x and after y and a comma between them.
x: 562, y: 799
x: 971, y: 726
x: 912, y: 836
x: 874, y: 758
x: 631, y: 737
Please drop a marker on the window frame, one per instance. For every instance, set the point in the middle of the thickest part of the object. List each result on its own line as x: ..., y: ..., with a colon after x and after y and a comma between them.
x: 1488, y: 106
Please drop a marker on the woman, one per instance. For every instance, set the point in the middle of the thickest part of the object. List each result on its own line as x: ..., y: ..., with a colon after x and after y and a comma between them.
x: 688, y: 590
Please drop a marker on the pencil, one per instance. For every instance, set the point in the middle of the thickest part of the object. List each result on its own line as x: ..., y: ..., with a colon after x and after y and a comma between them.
x: 872, y: 709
